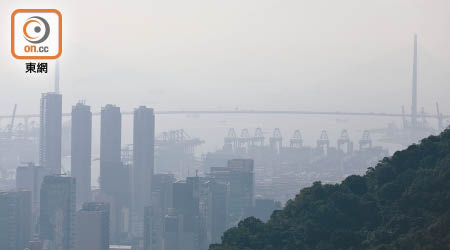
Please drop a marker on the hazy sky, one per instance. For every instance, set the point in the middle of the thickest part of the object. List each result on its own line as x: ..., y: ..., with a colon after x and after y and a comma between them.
x: 350, y: 55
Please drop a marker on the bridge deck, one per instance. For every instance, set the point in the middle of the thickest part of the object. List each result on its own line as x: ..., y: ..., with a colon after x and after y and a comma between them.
x: 274, y: 112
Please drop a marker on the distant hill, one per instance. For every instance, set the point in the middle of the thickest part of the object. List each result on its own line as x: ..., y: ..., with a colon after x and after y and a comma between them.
x: 402, y: 203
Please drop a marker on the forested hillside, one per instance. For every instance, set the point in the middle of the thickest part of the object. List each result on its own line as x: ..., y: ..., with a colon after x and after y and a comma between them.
x: 402, y: 203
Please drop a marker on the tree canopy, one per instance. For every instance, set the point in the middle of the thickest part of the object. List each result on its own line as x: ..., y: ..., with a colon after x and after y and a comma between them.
x: 402, y: 203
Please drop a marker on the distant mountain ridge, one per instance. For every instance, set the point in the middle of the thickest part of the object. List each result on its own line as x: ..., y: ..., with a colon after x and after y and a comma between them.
x: 402, y: 203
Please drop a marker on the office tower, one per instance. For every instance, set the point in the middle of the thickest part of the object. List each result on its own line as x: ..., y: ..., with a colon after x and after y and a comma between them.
x: 114, y: 177
x: 99, y: 196
x: 239, y: 175
x: 186, y: 196
x: 50, y: 132
x: 212, y: 210
x: 30, y: 177
x: 122, y: 201
x: 35, y: 244
x: 244, y: 188
x: 148, y: 228
x: 186, y: 204
x: 92, y: 226
x: 143, y: 158
x: 173, y: 228
x: 120, y: 247
x: 219, y: 210
x: 57, y: 213
x: 81, y: 137
x: 119, y: 206
x: 205, y: 198
x: 162, y: 185
x: 110, y: 149
x: 15, y: 220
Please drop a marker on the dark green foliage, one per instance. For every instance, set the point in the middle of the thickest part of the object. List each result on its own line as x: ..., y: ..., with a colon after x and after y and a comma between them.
x: 402, y: 203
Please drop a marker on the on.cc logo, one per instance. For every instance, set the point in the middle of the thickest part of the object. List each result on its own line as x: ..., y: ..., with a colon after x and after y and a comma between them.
x: 36, y: 34
x: 36, y: 29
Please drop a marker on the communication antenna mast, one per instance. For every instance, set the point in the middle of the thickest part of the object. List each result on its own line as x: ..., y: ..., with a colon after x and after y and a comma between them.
x: 11, y: 125
x: 57, y: 76
x: 439, y: 117
x: 414, y: 87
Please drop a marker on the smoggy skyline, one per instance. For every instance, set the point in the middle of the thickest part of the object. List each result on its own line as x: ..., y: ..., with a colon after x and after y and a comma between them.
x: 239, y: 54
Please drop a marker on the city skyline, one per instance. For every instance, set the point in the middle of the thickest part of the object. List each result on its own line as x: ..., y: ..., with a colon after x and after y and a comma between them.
x: 205, y: 125
x: 373, y: 61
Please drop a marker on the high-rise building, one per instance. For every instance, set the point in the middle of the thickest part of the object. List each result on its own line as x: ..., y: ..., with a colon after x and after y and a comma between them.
x: 173, y: 228
x: 162, y: 186
x: 218, y: 211
x: 186, y: 204
x: 81, y: 141
x: 143, y: 158
x: 148, y: 228
x: 239, y: 174
x: 120, y: 247
x: 57, y: 213
x: 92, y: 226
x: 205, y: 206
x: 114, y: 176
x: 110, y: 149
x: 15, y: 220
x: 50, y: 132
x: 119, y: 207
x: 35, y: 244
x: 30, y: 177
